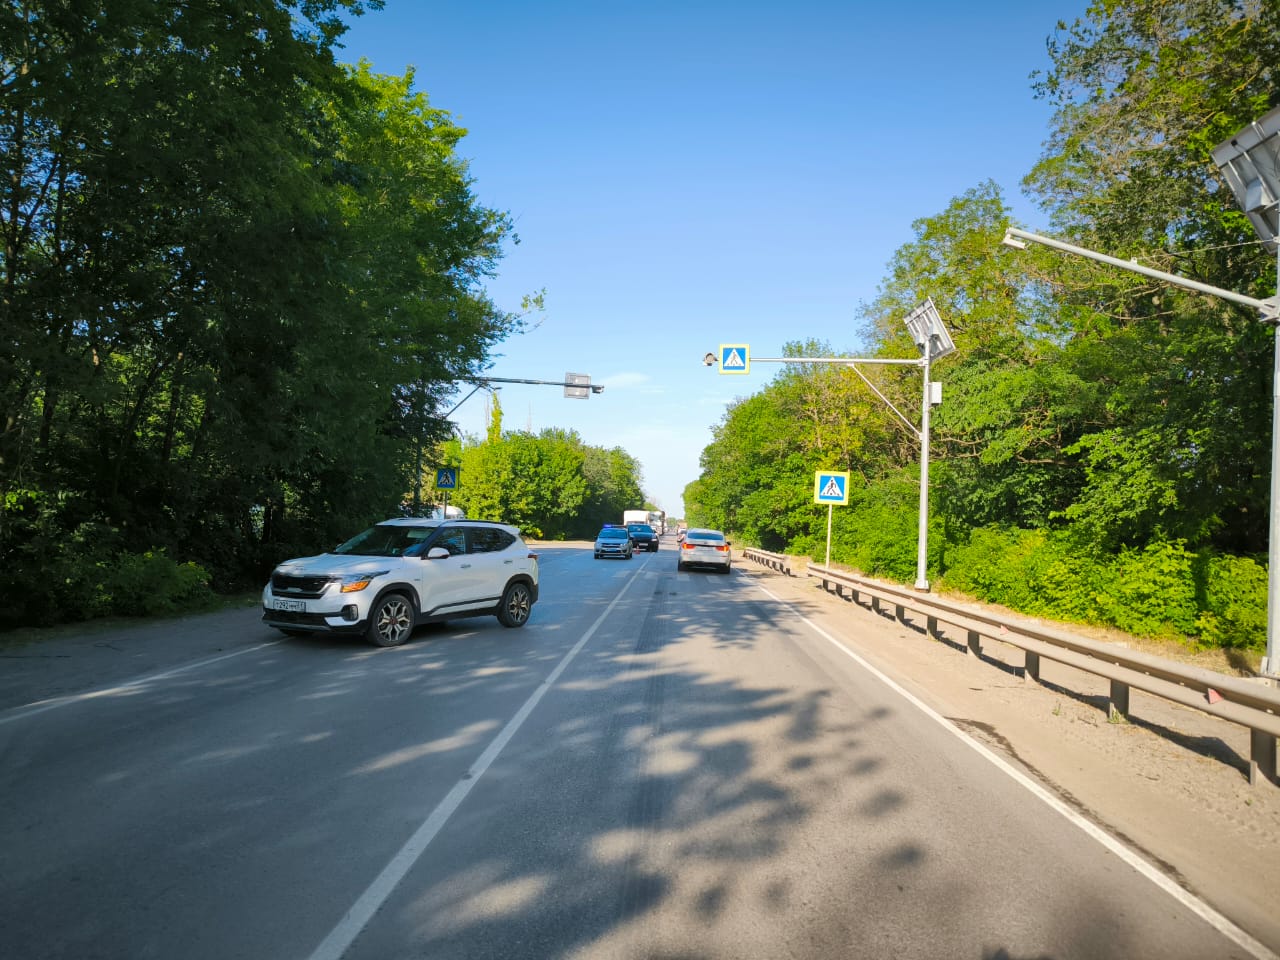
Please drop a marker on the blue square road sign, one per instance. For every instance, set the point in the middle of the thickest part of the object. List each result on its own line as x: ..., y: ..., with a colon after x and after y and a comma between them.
x: 831, y: 486
x: 735, y: 358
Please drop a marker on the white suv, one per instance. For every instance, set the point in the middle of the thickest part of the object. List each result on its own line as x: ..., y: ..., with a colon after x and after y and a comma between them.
x: 403, y: 572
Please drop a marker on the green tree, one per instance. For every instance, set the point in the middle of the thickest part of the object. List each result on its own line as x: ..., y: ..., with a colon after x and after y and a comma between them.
x: 238, y: 281
x: 407, y: 318
x: 551, y: 485
x: 1142, y: 90
x: 154, y: 154
x: 613, y: 485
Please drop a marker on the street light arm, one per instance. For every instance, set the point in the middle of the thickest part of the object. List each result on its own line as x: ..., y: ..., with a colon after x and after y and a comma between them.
x: 479, y: 386
x: 1266, y: 307
x: 846, y: 361
x: 544, y: 383
x: 901, y: 416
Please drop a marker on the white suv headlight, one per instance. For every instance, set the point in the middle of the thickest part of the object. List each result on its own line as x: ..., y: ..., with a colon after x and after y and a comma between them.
x: 355, y: 582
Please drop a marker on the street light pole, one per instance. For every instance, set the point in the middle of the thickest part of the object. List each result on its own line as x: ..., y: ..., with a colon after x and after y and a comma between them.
x: 931, y: 336
x: 1270, y: 662
x: 1250, y: 163
x: 922, y: 535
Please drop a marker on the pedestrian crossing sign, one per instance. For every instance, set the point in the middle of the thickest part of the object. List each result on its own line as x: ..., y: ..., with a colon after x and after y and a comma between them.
x: 447, y: 479
x: 831, y: 486
x: 735, y: 358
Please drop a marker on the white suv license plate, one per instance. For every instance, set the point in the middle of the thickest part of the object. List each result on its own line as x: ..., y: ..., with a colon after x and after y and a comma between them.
x: 297, y: 606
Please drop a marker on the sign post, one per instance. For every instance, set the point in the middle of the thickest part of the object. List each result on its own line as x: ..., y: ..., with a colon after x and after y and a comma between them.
x: 831, y: 487
x: 446, y: 480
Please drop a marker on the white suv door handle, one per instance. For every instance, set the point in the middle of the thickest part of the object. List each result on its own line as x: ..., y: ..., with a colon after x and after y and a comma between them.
x: 465, y: 566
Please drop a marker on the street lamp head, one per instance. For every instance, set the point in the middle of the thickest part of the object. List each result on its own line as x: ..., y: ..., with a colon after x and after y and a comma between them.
x: 1011, y: 241
x: 709, y: 359
x: 597, y: 388
x: 928, y: 331
x: 1250, y: 163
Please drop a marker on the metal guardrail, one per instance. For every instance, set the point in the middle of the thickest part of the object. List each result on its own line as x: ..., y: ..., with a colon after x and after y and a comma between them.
x: 1250, y: 704
x: 777, y: 561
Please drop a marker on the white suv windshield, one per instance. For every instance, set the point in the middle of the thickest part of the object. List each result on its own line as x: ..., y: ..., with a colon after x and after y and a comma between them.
x: 386, y: 540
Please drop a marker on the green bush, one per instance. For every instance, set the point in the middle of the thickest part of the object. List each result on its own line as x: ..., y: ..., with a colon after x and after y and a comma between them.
x: 1233, y: 602
x: 1071, y: 585
x: 1160, y: 590
x: 1151, y: 592
x: 151, y: 584
x: 80, y: 582
x: 1004, y: 566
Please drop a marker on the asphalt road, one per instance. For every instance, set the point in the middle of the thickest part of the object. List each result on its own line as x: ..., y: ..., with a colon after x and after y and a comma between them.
x: 660, y: 765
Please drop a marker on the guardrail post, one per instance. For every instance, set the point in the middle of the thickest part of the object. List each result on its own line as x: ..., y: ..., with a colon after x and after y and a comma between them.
x: 1118, y: 706
x: 875, y: 604
x: 1031, y: 666
x: 974, y: 649
x: 1262, y: 757
x: 931, y: 627
x: 900, y: 613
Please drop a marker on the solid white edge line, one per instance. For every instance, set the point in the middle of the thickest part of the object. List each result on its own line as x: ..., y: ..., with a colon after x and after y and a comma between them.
x: 361, y: 912
x: 40, y: 706
x: 1193, y: 903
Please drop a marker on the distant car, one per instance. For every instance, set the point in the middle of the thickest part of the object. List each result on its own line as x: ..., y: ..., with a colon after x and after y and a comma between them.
x: 643, y: 537
x: 614, y: 542
x: 403, y: 572
x: 704, y: 548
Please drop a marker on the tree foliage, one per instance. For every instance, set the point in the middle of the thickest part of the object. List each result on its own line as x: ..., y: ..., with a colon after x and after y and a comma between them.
x: 237, y: 282
x: 552, y: 485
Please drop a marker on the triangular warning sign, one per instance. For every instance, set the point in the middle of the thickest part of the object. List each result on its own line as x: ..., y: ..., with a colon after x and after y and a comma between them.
x: 733, y: 360
x: 833, y: 489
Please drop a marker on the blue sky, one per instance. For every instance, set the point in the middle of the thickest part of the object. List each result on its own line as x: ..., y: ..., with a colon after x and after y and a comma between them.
x: 686, y: 174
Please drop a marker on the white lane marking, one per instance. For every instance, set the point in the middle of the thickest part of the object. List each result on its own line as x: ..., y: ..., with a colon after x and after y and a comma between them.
x: 370, y: 902
x: 1188, y: 900
x: 40, y: 706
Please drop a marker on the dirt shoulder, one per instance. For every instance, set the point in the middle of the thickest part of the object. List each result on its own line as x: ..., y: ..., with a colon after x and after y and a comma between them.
x: 1172, y: 782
